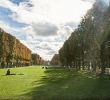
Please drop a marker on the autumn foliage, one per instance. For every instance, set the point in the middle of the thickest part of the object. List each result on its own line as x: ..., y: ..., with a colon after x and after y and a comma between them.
x: 12, y: 51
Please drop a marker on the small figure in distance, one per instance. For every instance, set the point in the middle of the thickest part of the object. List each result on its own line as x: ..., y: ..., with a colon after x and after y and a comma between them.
x: 8, y: 72
x: 45, y: 67
x: 42, y: 67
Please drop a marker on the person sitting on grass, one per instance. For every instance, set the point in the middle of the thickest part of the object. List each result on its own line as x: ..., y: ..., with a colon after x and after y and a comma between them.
x: 8, y: 72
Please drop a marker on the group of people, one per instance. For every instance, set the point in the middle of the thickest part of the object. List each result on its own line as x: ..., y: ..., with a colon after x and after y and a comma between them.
x: 44, y: 67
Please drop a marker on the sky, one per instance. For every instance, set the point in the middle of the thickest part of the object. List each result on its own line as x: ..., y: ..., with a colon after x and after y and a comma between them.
x: 42, y: 25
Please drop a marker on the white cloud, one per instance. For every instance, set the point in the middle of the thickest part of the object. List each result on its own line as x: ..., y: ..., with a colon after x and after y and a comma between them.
x: 56, y: 17
x: 89, y: 1
x: 55, y: 11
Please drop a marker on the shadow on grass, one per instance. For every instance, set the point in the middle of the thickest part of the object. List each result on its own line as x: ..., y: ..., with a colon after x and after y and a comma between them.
x: 63, y: 84
x: 13, y: 74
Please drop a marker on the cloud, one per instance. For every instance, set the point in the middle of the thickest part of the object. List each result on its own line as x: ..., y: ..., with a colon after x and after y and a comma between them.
x: 55, y: 11
x: 71, y: 24
x: 51, y: 52
x: 91, y: 1
x: 44, y: 24
x: 44, y: 46
x: 45, y: 29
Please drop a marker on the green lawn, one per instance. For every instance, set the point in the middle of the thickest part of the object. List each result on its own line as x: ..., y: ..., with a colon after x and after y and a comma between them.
x: 35, y: 83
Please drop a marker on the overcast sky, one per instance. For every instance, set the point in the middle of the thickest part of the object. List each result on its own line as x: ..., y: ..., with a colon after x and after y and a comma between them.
x: 42, y: 25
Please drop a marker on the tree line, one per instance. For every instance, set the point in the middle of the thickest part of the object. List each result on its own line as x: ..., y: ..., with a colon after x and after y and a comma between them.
x: 37, y: 60
x: 88, y: 47
x: 55, y: 60
x: 14, y: 53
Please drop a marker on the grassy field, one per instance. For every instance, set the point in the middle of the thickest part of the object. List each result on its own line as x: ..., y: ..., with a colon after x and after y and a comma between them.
x: 35, y: 83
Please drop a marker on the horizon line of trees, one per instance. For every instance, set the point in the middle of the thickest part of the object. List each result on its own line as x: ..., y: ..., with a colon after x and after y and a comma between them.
x: 88, y: 47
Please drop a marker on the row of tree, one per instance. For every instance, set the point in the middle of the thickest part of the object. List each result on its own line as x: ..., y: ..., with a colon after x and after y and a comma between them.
x: 37, y: 60
x: 13, y: 52
x: 55, y: 60
x: 88, y: 47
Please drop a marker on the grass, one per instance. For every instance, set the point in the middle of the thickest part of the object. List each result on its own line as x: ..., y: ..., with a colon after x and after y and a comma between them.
x: 35, y: 83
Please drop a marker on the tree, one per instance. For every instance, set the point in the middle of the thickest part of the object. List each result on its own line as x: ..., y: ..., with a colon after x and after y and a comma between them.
x: 87, y: 47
